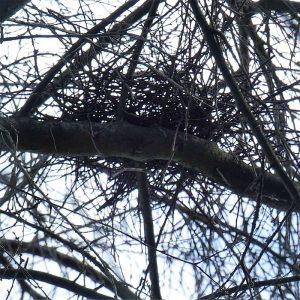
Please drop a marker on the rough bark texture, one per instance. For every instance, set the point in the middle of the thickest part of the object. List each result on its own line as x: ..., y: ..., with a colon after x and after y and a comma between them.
x: 10, y: 7
x: 121, y: 139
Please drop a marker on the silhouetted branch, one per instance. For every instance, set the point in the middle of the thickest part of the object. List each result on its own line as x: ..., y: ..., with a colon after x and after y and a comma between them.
x: 10, y: 7
x: 8, y: 273
x: 216, y: 50
x: 39, y: 95
x: 121, y: 139
x: 35, y: 99
x: 279, y: 6
x: 255, y: 284
x: 69, y: 262
x: 145, y: 207
x: 26, y: 287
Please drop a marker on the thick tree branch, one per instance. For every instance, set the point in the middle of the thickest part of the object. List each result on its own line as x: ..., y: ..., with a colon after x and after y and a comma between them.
x: 8, y: 273
x: 10, y: 7
x: 121, y: 139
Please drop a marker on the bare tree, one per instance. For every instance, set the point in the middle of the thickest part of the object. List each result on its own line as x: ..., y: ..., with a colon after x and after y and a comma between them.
x: 149, y: 149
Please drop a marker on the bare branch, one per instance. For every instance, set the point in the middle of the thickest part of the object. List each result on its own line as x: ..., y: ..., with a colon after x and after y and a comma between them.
x: 145, y: 206
x: 67, y: 261
x: 121, y: 139
x: 257, y: 284
x: 241, y: 103
x: 35, y: 99
x: 25, y: 286
x: 10, y: 7
x: 279, y: 6
x: 39, y: 95
x: 8, y: 273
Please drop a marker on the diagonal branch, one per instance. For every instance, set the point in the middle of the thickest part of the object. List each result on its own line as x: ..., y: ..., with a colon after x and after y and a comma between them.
x: 35, y: 98
x: 219, y: 225
x: 10, y: 7
x: 279, y: 6
x: 113, y: 283
x: 216, y: 50
x: 123, y: 140
x: 137, y: 49
x: 255, y: 284
x: 42, y: 91
x: 21, y: 274
x: 14, y: 246
x: 25, y: 286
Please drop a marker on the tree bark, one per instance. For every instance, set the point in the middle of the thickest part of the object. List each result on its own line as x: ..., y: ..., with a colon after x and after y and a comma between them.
x: 123, y: 140
x: 10, y: 7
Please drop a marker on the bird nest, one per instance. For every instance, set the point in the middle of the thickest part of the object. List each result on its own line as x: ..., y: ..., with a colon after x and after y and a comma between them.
x: 149, y: 99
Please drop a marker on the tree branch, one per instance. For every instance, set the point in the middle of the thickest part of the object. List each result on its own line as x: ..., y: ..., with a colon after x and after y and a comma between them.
x: 10, y: 7
x: 145, y: 206
x: 8, y: 273
x: 14, y: 246
x: 26, y: 287
x: 244, y: 287
x: 114, y: 283
x: 279, y: 6
x: 121, y: 139
x: 218, y: 225
x: 35, y: 98
x: 216, y: 50
x: 42, y: 91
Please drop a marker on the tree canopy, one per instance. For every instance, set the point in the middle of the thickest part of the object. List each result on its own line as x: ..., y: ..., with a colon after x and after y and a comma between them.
x: 149, y: 149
